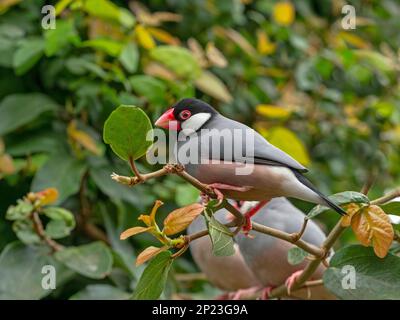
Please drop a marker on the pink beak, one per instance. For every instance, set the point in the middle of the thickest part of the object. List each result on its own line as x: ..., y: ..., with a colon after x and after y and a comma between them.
x: 168, y: 121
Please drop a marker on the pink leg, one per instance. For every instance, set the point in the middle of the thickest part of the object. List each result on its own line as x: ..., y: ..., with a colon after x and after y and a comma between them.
x: 292, y: 279
x: 247, y: 227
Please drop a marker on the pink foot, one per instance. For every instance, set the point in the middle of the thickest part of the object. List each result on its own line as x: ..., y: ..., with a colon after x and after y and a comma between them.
x: 292, y: 280
x: 266, y: 292
x: 249, y: 214
x: 243, y: 293
x: 216, y: 187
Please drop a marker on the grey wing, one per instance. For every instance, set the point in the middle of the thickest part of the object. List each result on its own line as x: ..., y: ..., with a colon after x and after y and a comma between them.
x: 254, y: 146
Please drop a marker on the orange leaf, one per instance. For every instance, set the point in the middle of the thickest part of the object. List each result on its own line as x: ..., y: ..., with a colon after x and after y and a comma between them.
x: 149, y: 253
x: 146, y: 219
x: 47, y: 196
x: 351, y: 210
x: 157, y: 204
x: 133, y: 231
x: 372, y: 224
x: 6, y: 164
x: 163, y: 36
x: 82, y: 138
x: 179, y: 219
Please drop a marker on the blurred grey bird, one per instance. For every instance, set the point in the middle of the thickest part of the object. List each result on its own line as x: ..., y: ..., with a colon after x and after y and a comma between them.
x: 226, y: 273
x: 260, y: 261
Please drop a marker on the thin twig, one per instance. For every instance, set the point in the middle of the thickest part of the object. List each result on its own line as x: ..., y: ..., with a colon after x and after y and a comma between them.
x: 38, y: 226
x: 134, y: 168
x: 386, y: 198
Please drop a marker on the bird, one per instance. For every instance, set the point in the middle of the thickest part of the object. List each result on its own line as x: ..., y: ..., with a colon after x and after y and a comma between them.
x: 228, y: 273
x: 260, y: 261
x: 234, y: 159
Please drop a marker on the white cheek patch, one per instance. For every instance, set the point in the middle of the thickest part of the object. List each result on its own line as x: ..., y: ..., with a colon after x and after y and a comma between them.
x: 196, y: 121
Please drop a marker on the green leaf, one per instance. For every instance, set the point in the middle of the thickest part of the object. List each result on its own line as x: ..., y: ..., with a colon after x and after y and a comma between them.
x: 25, y: 231
x: 111, y: 47
x: 339, y: 198
x: 29, y: 52
x: 376, y: 278
x: 129, y: 57
x: 186, y: 194
x: 92, y: 260
x: 61, y: 224
x: 19, y: 211
x: 221, y: 238
x: 213, y: 86
x: 177, y: 59
x: 296, y: 255
x: 100, y: 292
x: 61, y: 37
x: 391, y: 208
x: 154, y: 277
x: 62, y: 172
x: 153, y: 89
x: 107, y: 10
x: 17, y: 110
x: 21, y: 271
x: 125, y: 131
x: 30, y: 143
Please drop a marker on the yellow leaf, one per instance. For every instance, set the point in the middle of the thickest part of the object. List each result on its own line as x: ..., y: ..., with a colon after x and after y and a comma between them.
x: 2, y: 146
x: 144, y: 37
x: 6, y: 4
x: 351, y: 210
x: 372, y: 225
x: 273, y: 112
x: 354, y: 40
x: 157, y: 70
x: 284, y: 13
x: 215, y: 56
x: 157, y: 204
x: 287, y: 141
x: 82, y: 138
x: 198, y: 52
x: 133, y: 231
x: 213, y: 86
x: 47, y: 196
x: 163, y: 36
x: 149, y: 253
x: 146, y: 219
x: 238, y: 39
x: 264, y: 46
x: 6, y: 164
x: 179, y: 219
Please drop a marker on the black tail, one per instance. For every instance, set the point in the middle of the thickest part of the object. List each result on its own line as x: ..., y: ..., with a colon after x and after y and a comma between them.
x: 329, y: 202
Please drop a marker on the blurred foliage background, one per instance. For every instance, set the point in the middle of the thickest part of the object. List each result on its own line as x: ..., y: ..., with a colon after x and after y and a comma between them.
x: 329, y: 97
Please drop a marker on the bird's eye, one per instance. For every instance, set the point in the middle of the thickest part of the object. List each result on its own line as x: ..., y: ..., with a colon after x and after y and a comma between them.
x: 185, y: 114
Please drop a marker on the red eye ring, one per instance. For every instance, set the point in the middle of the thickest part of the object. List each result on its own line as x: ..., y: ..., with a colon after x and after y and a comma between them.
x: 185, y: 114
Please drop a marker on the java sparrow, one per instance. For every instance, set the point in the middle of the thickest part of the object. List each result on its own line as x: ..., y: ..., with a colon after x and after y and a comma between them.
x: 244, y: 166
x: 259, y: 261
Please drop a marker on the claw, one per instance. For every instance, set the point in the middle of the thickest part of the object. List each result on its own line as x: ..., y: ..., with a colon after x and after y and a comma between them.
x: 244, y: 293
x: 292, y: 280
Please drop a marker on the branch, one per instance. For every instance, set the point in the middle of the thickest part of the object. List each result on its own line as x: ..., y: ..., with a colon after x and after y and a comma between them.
x: 390, y: 196
x: 38, y: 226
x: 239, y: 221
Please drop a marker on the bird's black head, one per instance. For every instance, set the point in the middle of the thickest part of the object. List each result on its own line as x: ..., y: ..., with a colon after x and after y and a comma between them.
x: 187, y: 113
